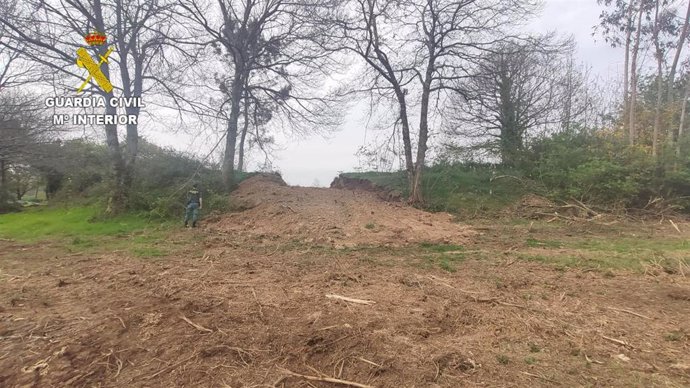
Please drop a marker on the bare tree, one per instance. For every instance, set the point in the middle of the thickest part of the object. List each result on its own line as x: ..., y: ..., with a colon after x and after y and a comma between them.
x: 614, y: 21
x: 517, y: 89
x: 48, y: 32
x: 23, y: 129
x: 663, y: 28
x: 658, y: 54
x: 269, y: 50
x: 634, y: 76
x: 682, y: 37
x: 256, y: 114
x: 681, y: 126
x: 419, y: 51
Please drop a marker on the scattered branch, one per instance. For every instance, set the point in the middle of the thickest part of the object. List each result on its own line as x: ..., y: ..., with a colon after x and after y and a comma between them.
x: 326, y: 379
x: 196, y: 326
x: 629, y: 312
x: 617, y: 341
x: 352, y: 300
x: 541, y: 377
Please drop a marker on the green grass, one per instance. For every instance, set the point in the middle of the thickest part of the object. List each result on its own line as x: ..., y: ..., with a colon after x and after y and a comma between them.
x: 149, y: 252
x: 445, y: 261
x: 602, y: 261
x: 534, y: 243
x: 440, y: 248
x: 503, y: 359
x: 75, y: 223
x: 77, y: 229
x: 425, y: 255
x: 632, y: 245
x: 460, y: 189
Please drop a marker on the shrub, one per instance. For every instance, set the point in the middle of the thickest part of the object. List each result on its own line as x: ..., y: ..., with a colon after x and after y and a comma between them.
x: 603, y: 182
x: 8, y: 203
x: 593, y: 167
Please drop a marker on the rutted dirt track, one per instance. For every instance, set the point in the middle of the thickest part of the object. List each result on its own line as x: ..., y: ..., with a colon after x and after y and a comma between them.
x: 247, y: 303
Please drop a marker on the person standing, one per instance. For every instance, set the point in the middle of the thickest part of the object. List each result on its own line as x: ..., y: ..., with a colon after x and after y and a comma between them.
x: 194, y: 204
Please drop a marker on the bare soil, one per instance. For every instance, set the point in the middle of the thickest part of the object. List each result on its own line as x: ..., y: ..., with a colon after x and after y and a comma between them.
x: 246, y: 305
x: 339, y: 217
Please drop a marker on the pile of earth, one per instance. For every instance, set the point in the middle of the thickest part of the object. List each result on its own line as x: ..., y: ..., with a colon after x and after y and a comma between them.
x: 341, y: 217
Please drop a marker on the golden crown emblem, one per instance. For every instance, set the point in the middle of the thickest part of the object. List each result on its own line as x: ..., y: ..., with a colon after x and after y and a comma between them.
x: 95, y: 39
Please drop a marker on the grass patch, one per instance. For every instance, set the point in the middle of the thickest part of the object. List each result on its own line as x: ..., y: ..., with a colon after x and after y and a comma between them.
x: 76, y: 223
x: 440, y: 248
x: 148, y: 252
x: 463, y: 189
x: 632, y: 245
x: 534, y: 243
x: 80, y: 230
x: 604, y: 262
x: 425, y: 255
x: 83, y: 243
x: 503, y: 359
x: 445, y: 261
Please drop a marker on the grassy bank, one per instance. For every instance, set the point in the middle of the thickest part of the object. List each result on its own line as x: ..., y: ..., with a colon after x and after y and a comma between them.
x: 465, y: 190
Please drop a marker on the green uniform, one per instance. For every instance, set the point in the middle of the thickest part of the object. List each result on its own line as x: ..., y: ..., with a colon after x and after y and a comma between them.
x: 192, y: 207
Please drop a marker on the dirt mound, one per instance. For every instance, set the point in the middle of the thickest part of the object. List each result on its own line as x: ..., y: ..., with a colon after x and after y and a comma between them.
x: 332, y: 216
x: 344, y: 182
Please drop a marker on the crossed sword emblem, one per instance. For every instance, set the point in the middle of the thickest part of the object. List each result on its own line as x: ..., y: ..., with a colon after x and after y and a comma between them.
x: 84, y: 60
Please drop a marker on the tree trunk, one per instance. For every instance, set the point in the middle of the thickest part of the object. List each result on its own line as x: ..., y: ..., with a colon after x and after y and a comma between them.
x: 626, y: 71
x: 568, y: 109
x: 245, y: 129
x: 3, y: 176
x: 117, y: 202
x: 659, y: 83
x: 407, y: 142
x: 416, y: 195
x: 682, y: 122
x: 129, y: 89
x: 228, y: 169
x: 679, y: 47
x: 133, y: 129
x: 633, y: 78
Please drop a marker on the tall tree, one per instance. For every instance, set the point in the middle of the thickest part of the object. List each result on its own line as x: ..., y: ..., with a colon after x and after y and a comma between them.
x: 24, y: 127
x: 659, y: 55
x: 682, y: 37
x: 617, y: 26
x: 419, y: 51
x: 516, y: 90
x: 664, y: 30
x: 681, y: 126
x: 270, y: 48
x: 48, y: 32
x: 634, y: 76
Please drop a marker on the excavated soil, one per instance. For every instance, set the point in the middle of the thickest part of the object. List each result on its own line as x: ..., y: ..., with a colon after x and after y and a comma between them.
x: 247, y: 305
x: 340, y: 217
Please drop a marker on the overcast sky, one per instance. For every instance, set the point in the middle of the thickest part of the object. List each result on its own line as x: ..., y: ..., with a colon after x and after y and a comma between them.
x: 317, y: 160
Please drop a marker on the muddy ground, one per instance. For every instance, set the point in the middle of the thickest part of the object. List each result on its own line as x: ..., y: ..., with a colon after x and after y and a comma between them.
x: 250, y: 305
